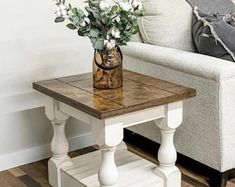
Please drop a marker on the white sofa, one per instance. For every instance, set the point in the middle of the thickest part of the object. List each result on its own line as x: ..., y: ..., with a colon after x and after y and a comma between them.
x: 208, y: 131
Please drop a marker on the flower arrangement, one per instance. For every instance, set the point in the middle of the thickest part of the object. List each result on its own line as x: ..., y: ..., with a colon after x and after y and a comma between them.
x: 106, y: 25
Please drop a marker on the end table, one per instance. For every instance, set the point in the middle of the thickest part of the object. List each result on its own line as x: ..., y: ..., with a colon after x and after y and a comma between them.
x: 141, y: 99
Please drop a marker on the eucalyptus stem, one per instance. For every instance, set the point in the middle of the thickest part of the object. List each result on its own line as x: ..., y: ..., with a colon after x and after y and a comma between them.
x: 107, y: 26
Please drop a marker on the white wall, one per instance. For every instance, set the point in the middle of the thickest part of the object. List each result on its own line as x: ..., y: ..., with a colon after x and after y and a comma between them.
x: 33, y: 47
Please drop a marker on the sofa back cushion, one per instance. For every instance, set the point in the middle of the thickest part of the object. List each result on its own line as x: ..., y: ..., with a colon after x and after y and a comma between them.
x: 167, y: 23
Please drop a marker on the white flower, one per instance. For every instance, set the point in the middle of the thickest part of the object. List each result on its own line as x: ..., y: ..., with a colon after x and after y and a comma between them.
x: 83, y: 24
x: 125, y: 6
x: 58, y: 13
x: 118, y: 1
x: 103, y: 5
x: 61, y: 11
x: 115, y: 33
x: 64, y: 13
x: 87, y: 20
x: 57, y: 9
x: 110, y: 44
x: 132, y: 17
x: 117, y: 19
x: 70, y: 13
x: 62, y: 7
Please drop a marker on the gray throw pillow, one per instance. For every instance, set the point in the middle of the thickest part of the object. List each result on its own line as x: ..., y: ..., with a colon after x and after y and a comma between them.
x: 213, y: 35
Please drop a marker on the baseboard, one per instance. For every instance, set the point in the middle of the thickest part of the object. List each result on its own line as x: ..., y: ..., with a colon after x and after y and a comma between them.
x: 41, y: 152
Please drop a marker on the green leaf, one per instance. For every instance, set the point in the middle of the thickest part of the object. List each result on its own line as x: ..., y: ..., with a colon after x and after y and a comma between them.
x: 74, y: 11
x: 114, y: 8
x: 99, y: 44
x: 94, y: 33
x: 86, y: 34
x: 83, y: 31
x: 75, y: 19
x: 93, y: 12
x: 71, y: 26
x: 59, y: 19
x: 80, y: 12
x: 93, y: 40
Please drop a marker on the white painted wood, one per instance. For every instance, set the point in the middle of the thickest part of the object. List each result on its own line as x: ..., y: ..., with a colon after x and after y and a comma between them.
x: 138, y: 117
x: 107, y: 134
x: 108, y: 173
x: 86, y: 165
x: 130, y: 119
x: 130, y: 174
x: 59, y: 144
x: 73, y: 112
x: 107, y: 137
x: 167, y: 154
x: 133, y: 170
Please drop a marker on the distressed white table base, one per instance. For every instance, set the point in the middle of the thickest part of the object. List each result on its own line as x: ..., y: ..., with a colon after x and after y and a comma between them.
x: 108, y: 134
x: 133, y: 171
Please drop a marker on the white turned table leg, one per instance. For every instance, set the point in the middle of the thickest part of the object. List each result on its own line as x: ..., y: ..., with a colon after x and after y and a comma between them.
x: 108, y: 174
x: 59, y: 144
x: 107, y: 138
x: 167, y: 154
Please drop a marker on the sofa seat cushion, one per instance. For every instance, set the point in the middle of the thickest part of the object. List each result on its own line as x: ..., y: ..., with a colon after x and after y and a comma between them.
x: 167, y: 23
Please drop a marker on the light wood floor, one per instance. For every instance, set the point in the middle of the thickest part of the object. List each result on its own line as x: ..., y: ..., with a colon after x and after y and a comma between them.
x: 35, y: 174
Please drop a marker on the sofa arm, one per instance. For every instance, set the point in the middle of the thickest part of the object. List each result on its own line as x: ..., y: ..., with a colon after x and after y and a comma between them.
x: 184, y: 61
x: 209, y: 122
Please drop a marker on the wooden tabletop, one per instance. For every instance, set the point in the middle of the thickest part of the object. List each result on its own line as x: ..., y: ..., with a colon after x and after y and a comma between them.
x: 138, y: 92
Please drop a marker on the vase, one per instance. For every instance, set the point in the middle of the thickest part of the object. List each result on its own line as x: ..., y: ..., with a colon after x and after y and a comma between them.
x: 107, y: 69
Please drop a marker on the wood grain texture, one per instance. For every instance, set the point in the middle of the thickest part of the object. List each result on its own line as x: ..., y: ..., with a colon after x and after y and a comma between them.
x: 35, y: 171
x: 138, y: 92
x: 133, y: 171
x: 38, y: 172
x: 9, y: 180
x: 17, y: 172
x: 77, y: 98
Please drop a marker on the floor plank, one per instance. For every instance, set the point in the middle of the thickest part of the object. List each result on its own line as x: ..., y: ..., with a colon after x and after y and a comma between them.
x: 9, y: 180
x: 17, y: 172
x: 190, y: 179
x: 38, y: 172
x: 35, y: 174
x: 29, y: 181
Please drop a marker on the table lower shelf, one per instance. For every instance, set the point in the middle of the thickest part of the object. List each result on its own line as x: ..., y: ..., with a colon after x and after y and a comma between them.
x: 133, y: 171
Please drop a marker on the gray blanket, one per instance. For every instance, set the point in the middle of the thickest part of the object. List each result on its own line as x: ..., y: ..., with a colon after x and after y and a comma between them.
x: 219, y: 15
x: 212, y: 6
